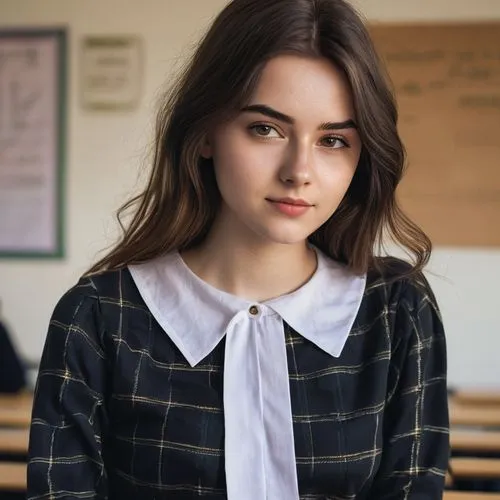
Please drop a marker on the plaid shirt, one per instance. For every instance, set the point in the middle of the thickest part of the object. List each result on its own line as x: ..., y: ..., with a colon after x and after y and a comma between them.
x: 119, y: 413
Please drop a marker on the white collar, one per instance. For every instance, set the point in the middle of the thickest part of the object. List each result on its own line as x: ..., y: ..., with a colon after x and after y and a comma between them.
x: 196, y: 315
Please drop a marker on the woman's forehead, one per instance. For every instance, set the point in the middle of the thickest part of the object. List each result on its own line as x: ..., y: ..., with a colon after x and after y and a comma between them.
x: 304, y: 87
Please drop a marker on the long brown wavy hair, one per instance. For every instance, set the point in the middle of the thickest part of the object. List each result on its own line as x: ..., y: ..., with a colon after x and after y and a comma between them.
x: 176, y: 209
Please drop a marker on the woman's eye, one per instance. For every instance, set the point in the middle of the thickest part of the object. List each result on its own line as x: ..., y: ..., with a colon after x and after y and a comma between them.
x: 265, y: 131
x: 334, y: 142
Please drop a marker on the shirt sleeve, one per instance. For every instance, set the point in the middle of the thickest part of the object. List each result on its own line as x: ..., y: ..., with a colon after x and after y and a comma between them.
x: 416, y: 426
x: 68, y: 420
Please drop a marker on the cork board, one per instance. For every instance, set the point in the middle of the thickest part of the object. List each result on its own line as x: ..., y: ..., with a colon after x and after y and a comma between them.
x: 447, y: 82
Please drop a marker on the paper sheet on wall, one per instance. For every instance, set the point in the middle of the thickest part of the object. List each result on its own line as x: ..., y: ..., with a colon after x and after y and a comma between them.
x: 29, y: 142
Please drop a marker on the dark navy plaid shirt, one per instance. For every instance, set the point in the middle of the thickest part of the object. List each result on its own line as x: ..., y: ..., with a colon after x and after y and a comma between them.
x: 371, y: 424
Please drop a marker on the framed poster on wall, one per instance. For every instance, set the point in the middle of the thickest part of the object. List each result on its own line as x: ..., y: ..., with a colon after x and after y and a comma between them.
x: 32, y: 130
x: 111, y: 72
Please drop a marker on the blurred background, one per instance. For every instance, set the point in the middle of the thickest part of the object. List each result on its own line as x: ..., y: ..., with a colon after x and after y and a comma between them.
x: 107, y: 136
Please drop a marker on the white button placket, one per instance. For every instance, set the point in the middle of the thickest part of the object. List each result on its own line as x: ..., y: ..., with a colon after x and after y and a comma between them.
x: 243, y: 412
x: 282, y: 483
x: 259, y: 445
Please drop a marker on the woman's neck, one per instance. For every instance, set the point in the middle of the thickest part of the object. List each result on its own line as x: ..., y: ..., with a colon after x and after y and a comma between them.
x: 256, y: 272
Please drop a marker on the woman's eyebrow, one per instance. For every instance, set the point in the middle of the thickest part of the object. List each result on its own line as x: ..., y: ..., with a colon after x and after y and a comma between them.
x: 263, y: 109
x: 268, y: 111
x: 338, y: 125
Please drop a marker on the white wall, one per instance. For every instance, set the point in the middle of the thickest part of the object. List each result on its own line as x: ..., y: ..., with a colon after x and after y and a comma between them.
x: 105, y: 151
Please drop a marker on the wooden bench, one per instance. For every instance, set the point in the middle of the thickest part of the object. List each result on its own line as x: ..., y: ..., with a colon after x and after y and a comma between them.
x: 15, y: 410
x: 21, y: 399
x: 475, y: 468
x: 14, y: 440
x: 476, y: 398
x: 12, y: 476
x: 481, y: 416
x: 475, y: 441
x: 470, y: 495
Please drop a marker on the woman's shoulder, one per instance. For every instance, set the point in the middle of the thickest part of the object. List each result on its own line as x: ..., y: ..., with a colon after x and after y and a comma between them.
x: 110, y: 283
x: 402, y: 298
x: 397, y: 280
x: 99, y: 292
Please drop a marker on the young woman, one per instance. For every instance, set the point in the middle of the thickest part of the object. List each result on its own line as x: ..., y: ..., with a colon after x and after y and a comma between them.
x: 242, y: 340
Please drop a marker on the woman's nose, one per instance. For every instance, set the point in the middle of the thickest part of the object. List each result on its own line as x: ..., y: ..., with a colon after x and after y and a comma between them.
x: 296, y: 168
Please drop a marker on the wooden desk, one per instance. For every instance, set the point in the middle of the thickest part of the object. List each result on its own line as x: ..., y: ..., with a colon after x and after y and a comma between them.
x: 22, y: 399
x: 470, y: 495
x: 476, y: 398
x: 475, y: 468
x: 482, y: 416
x: 475, y: 441
x: 12, y: 476
x: 14, y: 440
x: 15, y: 410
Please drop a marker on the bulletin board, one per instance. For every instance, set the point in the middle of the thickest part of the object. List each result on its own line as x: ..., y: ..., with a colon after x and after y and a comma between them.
x: 447, y: 82
x: 32, y: 131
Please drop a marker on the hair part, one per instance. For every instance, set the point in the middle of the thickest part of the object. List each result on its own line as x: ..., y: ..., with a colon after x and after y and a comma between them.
x: 178, y: 206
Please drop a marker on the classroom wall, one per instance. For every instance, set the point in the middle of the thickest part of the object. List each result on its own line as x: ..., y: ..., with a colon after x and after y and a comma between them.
x: 105, y: 152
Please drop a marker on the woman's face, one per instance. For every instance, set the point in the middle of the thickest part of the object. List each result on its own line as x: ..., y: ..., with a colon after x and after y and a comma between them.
x: 285, y: 162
